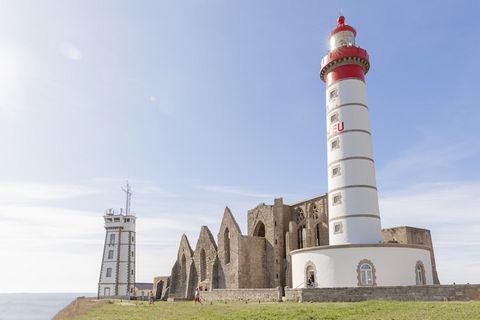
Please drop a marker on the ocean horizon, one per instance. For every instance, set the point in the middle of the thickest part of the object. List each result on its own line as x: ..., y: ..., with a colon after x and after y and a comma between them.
x: 36, y: 306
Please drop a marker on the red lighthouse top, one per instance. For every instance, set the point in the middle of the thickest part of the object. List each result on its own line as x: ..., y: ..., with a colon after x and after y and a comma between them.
x: 345, y: 59
x: 342, y: 27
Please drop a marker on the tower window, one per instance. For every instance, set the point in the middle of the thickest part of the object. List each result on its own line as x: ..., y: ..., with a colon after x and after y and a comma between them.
x: 133, y: 238
x: 337, y: 228
x: 336, y: 171
x: 334, y: 118
x: 112, y: 238
x: 132, y: 272
x: 333, y: 94
x: 109, y: 272
x: 335, y: 144
x: 337, y: 198
x: 110, y: 254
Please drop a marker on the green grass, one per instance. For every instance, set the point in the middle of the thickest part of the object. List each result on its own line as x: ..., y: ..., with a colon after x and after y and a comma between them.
x: 391, y: 310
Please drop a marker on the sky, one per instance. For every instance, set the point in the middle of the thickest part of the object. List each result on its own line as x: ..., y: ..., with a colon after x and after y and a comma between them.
x: 207, y: 104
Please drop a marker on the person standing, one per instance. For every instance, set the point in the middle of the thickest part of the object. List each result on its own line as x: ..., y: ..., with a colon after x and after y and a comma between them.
x: 197, y: 296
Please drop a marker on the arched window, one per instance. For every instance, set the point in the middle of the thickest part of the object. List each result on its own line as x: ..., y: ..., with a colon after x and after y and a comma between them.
x: 366, y: 273
x: 259, y: 230
x: 226, y: 241
x: 203, y: 265
x: 184, y: 268
x: 366, y: 276
x: 420, y: 273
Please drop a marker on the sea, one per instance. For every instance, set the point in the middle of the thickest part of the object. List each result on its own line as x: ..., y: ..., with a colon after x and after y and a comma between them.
x: 35, y: 306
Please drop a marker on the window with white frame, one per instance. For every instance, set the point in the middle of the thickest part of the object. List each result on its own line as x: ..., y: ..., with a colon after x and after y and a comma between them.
x: 109, y: 272
x: 366, y: 273
x: 110, y: 254
x: 112, y: 238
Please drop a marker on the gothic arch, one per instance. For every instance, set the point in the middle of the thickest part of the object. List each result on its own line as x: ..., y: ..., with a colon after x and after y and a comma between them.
x: 420, y: 273
x: 259, y: 230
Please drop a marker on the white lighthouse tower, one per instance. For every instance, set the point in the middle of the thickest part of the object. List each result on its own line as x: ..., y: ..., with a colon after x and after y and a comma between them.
x: 353, y: 202
x: 117, y: 273
x: 356, y: 254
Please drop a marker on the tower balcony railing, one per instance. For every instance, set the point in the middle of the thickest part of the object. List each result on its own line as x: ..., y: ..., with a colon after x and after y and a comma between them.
x: 120, y: 212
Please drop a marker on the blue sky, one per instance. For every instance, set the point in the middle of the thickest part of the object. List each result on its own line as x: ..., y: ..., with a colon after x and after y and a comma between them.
x: 203, y: 104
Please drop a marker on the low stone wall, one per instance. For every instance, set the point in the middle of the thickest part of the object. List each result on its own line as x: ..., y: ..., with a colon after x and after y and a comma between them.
x: 428, y: 293
x: 262, y: 295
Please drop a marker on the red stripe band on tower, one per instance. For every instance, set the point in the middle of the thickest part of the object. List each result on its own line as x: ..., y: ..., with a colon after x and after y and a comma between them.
x: 345, y: 71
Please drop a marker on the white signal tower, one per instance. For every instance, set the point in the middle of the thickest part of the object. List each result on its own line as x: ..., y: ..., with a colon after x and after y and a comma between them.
x: 117, y: 272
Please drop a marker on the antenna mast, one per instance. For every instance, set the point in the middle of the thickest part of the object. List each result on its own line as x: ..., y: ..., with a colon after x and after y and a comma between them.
x: 128, y: 192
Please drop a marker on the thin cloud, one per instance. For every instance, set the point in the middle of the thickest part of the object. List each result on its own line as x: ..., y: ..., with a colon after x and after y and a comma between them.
x: 424, y: 162
x: 22, y: 192
x: 234, y: 190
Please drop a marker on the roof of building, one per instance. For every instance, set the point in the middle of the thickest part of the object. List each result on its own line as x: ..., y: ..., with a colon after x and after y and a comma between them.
x: 143, y: 285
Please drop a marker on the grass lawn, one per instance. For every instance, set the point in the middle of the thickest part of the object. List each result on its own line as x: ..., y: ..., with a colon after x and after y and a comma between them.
x: 285, y: 310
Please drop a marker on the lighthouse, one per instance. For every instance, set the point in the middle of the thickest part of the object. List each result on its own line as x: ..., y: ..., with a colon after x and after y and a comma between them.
x: 353, y: 202
x: 356, y: 255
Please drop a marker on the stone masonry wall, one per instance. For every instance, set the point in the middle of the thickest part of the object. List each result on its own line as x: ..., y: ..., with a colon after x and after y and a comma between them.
x: 252, y: 262
x: 262, y: 295
x: 428, y: 293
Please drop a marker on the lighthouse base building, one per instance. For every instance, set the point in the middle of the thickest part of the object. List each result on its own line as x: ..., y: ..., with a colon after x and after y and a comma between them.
x: 384, y: 264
